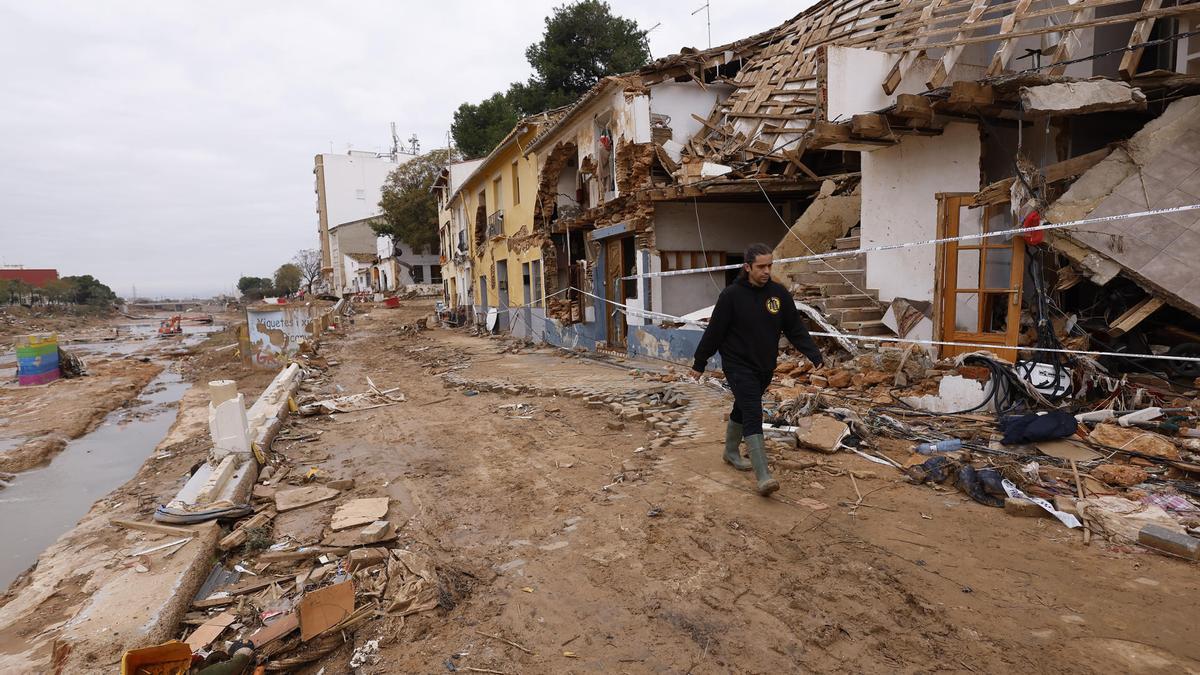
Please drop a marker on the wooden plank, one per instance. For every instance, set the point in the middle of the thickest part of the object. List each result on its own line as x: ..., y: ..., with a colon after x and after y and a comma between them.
x: 1139, y: 34
x: 908, y: 58
x: 1004, y: 51
x: 942, y: 71
x: 1136, y: 314
x: 241, y: 533
x: 1069, y: 41
x: 1105, y: 21
x: 870, y: 125
x: 232, y: 592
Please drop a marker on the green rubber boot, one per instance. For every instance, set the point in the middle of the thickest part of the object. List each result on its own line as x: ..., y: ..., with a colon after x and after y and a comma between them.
x: 758, y: 455
x: 733, y: 438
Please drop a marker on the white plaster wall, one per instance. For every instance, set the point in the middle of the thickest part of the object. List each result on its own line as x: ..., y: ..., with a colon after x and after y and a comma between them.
x: 854, y: 77
x: 352, y: 185
x: 680, y: 100
x: 899, y: 205
x: 348, y: 238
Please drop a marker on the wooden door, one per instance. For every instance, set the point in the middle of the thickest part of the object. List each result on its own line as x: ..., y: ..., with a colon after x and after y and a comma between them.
x: 980, y: 281
x: 616, y: 327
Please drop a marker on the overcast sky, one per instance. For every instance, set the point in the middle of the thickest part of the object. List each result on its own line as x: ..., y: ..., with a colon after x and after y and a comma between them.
x: 169, y: 144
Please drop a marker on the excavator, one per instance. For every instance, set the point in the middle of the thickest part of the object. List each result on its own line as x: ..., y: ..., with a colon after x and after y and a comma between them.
x: 170, y: 327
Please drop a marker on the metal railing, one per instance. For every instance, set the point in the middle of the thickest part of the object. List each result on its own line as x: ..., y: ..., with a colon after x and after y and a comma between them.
x: 495, y: 224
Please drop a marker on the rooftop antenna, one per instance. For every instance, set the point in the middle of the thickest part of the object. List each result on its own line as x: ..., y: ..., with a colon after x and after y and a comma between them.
x: 647, y: 32
x: 707, y: 19
x: 414, y: 145
x: 395, y: 144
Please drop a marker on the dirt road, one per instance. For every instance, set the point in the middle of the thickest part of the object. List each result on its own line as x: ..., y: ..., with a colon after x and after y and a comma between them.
x: 569, y: 535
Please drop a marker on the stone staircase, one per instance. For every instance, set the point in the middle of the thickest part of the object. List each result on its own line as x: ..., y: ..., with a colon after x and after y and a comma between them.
x: 838, y: 287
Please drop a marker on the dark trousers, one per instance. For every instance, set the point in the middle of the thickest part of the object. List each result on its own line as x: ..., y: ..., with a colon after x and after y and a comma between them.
x: 748, y: 387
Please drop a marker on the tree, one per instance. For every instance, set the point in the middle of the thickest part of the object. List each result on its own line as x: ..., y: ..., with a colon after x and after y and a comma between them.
x: 254, y: 288
x: 309, y: 262
x: 409, y: 208
x: 583, y: 42
x: 87, y: 290
x: 287, y: 279
x: 477, y: 128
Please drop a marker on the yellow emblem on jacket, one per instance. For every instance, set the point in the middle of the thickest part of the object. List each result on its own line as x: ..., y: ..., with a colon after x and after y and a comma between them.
x: 773, y: 305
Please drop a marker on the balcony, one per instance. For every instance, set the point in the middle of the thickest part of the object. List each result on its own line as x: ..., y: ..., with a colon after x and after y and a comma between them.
x: 495, y: 224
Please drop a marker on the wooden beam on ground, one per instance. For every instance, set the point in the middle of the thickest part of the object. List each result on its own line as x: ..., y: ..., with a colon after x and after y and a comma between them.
x: 1136, y: 314
x: 952, y: 53
x: 1005, y: 50
x: 1139, y: 34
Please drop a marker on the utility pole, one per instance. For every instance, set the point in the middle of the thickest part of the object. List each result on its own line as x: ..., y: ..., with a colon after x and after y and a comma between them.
x: 707, y: 19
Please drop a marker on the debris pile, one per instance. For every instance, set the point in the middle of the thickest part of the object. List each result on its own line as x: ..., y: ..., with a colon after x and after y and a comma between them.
x: 1121, y: 462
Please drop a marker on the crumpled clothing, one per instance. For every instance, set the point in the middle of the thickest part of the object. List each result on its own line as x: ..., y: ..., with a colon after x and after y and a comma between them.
x: 1034, y: 427
x: 983, y: 485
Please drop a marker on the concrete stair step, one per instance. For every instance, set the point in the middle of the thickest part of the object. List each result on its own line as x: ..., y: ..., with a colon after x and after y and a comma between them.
x: 844, y: 314
x: 875, y: 327
x: 850, y: 262
x: 847, y: 300
x: 830, y: 290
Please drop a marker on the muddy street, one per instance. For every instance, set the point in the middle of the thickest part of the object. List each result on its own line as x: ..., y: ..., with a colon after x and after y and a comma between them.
x: 571, y: 541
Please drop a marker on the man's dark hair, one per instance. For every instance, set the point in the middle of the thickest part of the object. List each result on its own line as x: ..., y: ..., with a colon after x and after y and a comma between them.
x: 755, y: 250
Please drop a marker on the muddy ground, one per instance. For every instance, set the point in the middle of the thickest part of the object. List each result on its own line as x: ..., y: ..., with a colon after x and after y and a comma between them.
x: 681, y: 567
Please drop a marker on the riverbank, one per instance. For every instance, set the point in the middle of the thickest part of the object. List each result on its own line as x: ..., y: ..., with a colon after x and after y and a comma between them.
x: 90, y: 561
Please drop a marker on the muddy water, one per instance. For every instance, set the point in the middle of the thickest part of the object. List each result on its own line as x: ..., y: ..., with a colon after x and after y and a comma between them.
x: 42, y: 504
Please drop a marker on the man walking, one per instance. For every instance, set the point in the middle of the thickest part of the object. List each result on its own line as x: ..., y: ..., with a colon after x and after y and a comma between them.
x: 745, y: 326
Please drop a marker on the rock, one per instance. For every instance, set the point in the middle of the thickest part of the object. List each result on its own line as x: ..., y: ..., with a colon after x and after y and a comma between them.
x: 264, y: 475
x: 366, y: 557
x: 1121, y: 475
x: 1137, y: 440
x: 615, y: 426
x: 821, y: 433
x: 343, y: 484
x: 380, y: 530
x: 1065, y: 504
x: 818, y: 380
x: 839, y: 379
x: 874, y: 377
x: 858, y: 380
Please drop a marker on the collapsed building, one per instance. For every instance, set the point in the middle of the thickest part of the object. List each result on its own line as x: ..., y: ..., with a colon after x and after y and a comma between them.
x: 868, y: 126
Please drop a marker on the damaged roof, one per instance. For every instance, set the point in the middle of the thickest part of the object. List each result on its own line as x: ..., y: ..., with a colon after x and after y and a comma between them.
x: 778, y: 94
x: 547, y: 118
x: 689, y: 63
x: 1158, y: 168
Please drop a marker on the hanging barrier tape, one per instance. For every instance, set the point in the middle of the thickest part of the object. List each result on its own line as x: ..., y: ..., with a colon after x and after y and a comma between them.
x: 633, y: 311
x: 883, y: 338
x: 945, y: 240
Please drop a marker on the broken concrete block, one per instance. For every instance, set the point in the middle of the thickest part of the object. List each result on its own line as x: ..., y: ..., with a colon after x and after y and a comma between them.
x: 839, y: 379
x: 1015, y: 506
x: 1122, y: 475
x: 615, y: 426
x: 821, y: 433
x: 365, y: 557
x: 359, y: 512
x: 1169, y: 541
x: 1065, y: 504
x: 211, y: 490
x: 380, y: 530
x: 1079, y: 98
x: 343, y: 484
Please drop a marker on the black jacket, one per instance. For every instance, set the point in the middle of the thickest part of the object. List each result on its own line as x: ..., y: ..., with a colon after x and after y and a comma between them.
x: 746, y: 324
